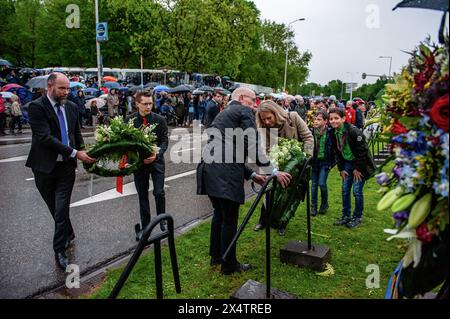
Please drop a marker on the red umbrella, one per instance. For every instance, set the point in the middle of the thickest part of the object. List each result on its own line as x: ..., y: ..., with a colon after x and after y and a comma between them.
x: 109, y: 79
x: 10, y: 86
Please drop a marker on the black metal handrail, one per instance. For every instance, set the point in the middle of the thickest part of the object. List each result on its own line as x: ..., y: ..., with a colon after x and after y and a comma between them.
x: 270, y: 192
x: 156, y: 240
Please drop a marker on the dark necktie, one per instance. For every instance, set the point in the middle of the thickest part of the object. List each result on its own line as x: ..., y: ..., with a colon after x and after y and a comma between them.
x: 62, y: 125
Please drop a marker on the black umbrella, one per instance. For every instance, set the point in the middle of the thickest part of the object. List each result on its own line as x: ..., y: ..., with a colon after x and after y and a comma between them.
x: 151, y: 85
x: 27, y: 70
x: 222, y: 91
x: 198, y: 92
x: 234, y: 87
x: 180, y: 89
x: 206, y: 88
x: 440, y: 5
x: 6, y: 63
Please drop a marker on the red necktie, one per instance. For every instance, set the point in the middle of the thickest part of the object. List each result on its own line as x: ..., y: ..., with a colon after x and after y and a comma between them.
x: 145, y: 121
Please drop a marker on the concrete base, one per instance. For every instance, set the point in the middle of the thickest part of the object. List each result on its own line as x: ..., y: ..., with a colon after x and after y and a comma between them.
x: 297, y: 253
x: 256, y: 290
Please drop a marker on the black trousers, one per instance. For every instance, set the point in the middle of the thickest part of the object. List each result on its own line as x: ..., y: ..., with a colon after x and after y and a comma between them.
x: 2, y: 122
x: 56, y: 190
x: 142, y: 183
x: 223, y: 229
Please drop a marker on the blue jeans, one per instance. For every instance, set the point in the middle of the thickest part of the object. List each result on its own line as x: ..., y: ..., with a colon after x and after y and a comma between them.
x: 357, y: 192
x: 319, y: 179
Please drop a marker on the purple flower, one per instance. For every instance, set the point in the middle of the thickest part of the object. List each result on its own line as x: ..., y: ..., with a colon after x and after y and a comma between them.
x: 397, y: 172
x: 382, y: 178
x: 400, y: 217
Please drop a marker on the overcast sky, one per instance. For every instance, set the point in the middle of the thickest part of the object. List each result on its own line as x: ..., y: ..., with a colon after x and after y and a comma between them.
x: 350, y: 35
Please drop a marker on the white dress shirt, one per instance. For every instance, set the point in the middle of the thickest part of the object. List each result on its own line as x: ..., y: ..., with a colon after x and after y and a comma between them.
x: 53, y: 102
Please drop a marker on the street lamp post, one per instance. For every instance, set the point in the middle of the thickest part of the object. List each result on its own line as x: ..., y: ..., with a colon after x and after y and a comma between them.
x: 390, y: 62
x: 287, y: 52
x: 99, y: 61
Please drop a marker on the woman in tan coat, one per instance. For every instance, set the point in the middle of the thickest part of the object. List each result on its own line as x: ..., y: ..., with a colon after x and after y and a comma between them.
x: 290, y: 125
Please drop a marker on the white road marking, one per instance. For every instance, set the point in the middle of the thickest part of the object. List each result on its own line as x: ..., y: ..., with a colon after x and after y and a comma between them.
x: 128, y: 190
x: 30, y: 179
x: 188, y: 150
x: 14, y: 159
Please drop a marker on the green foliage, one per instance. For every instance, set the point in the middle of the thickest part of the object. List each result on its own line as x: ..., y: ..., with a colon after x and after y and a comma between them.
x: 206, y: 36
x: 119, y: 139
x: 352, y: 250
x: 289, y: 157
x: 264, y: 64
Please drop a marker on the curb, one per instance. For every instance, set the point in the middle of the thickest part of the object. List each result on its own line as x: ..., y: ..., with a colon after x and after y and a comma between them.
x: 95, y: 275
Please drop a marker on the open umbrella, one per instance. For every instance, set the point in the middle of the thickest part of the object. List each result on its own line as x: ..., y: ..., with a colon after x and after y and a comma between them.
x: 27, y: 70
x: 90, y: 92
x: 151, y: 85
x: 6, y: 95
x: 206, y: 88
x: 109, y: 79
x: 6, y: 63
x: 234, y: 87
x: 100, y: 102
x: 440, y: 5
x: 161, y: 88
x: 77, y: 84
x: 10, y: 86
x: 39, y: 82
x: 180, y: 89
x: 198, y: 92
x: 112, y: 85
x: 135, y: 88
x: 222, y: 91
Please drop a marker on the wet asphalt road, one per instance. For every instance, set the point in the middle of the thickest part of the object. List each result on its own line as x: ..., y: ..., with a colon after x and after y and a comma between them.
x: 103, y: 229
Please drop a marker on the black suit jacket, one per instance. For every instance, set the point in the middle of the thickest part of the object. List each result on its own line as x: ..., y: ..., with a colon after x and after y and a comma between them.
x: 212, y: 110
x: 226, y: 180
x: 161, y: 132
x: 46, y: 142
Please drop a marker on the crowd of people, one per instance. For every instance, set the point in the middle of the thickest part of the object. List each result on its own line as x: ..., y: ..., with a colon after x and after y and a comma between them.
x: 330, y: 131
x: 326, y: 129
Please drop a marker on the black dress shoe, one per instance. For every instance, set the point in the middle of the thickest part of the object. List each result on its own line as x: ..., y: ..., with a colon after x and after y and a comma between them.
x: 237, y: 269
x: 61, y: 260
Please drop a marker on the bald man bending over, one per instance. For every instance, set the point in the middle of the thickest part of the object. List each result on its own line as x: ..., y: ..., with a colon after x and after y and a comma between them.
x: 224, y: 182
x: 55, y: 147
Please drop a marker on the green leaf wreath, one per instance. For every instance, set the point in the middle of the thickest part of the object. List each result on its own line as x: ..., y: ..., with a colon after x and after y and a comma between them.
x: 287, y: 156
x: 114, y: 142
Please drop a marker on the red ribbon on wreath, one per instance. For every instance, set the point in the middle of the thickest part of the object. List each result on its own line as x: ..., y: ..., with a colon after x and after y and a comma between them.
x: 119, y: 181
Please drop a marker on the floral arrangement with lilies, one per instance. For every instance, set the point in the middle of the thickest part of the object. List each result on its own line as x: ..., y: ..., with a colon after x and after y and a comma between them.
x: 287, y: 156
x: 120, y: 148
x: 416, y: 120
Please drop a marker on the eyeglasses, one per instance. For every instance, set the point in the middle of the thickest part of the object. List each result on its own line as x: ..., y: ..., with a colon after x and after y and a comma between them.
x: 146, y: 104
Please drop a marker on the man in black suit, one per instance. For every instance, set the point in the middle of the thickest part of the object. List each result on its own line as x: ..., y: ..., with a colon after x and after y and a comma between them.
x: 223, y: 180
x: 55, y: 147
x: 154, y: 165
x: 213, y: 108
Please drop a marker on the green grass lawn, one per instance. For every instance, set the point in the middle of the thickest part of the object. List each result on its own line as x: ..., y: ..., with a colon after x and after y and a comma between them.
x: 352, y: 251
